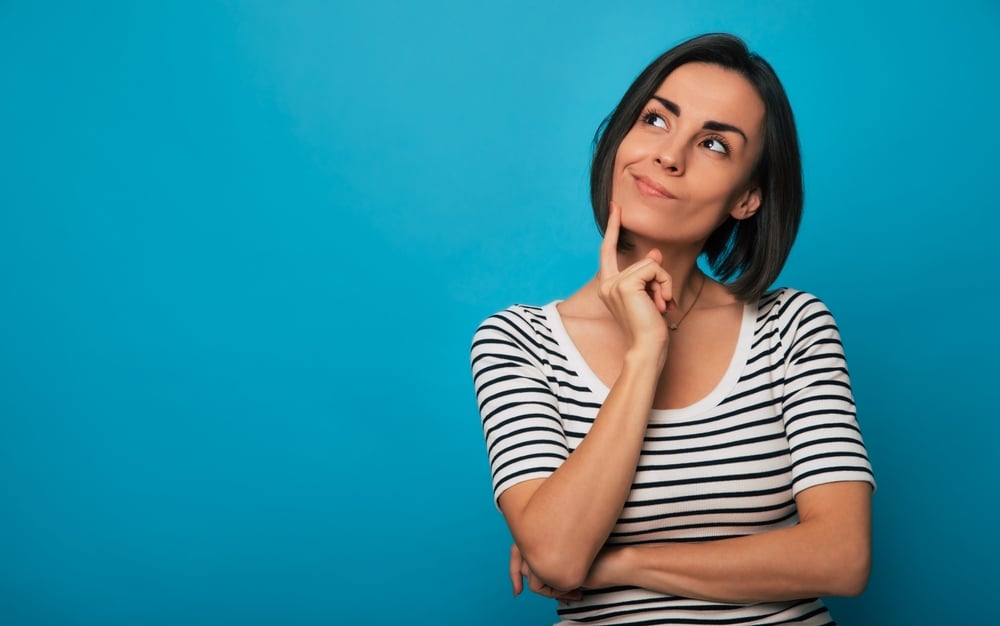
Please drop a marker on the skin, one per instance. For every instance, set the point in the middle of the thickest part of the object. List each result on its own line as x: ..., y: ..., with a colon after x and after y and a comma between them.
x: 675, y: 181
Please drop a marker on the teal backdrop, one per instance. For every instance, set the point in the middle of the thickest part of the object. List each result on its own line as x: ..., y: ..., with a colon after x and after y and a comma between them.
x: 244, y: 246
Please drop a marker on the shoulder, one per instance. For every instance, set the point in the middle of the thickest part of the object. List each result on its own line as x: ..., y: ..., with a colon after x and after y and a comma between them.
x: 517, y: 341
x: 800, y: 323
x: 517, y: 319
x: 524, y: 328
x: 786, y: 306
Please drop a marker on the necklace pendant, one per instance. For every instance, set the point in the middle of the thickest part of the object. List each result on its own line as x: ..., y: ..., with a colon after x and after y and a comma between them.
x: 672, y: 326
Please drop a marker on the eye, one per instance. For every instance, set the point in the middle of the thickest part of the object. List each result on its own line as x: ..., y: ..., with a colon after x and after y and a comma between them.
x: 653, y: 118
x: 716, y: 144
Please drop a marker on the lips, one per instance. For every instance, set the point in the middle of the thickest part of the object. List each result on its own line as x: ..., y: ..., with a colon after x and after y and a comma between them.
x: 649, y: 187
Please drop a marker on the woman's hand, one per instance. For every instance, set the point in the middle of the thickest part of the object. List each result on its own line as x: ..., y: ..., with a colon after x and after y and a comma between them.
x: 637, y: 296
x: 519, y: 570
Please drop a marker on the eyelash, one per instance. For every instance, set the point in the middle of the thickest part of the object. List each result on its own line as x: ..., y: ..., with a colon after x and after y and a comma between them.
x: 720, y: 139
x: 649, y: 114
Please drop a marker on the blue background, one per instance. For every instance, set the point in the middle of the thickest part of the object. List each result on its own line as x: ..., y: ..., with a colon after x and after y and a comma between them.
x: 243, y: 248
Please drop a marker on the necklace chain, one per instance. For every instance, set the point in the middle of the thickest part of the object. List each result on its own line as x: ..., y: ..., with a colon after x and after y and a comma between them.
x: 675, y: 325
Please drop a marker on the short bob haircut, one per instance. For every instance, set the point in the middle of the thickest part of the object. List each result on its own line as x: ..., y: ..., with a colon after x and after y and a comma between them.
x: 747, y: 254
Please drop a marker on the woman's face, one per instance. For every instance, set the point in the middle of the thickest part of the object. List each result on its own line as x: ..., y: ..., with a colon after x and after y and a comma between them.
x: 686, y: 163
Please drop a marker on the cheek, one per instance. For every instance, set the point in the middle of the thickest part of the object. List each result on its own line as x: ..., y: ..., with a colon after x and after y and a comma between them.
x: 628, y: 150
x: 617, y: 176
x: 723, y: 187
x: 628, y: 154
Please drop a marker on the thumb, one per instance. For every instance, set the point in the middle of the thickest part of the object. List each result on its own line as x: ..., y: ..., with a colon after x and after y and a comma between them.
x: 655, y: 255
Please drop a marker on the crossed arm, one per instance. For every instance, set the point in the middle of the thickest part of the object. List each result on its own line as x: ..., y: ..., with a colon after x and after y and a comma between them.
x: 826, y: 554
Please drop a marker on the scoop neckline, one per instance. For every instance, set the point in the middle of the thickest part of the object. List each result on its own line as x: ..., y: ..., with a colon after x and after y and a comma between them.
x: 728, y: 381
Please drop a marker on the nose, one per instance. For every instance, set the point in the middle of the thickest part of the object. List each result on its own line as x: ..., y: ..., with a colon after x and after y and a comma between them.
x: 669, y: 156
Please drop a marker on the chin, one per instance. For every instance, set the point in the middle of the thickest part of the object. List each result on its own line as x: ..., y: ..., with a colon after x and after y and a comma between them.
x: 654, y: 227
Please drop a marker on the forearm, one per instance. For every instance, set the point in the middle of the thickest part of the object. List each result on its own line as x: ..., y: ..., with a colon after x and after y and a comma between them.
x: 818, y: 557
x: 567, y: 520
x: 771, y: 566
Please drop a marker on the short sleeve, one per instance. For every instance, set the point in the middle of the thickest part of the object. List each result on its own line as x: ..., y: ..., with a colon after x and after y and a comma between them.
x: 519, y: 410
x: 818, y: 407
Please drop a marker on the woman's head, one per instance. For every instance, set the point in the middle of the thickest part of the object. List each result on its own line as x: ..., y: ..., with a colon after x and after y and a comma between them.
x: 745, y: 169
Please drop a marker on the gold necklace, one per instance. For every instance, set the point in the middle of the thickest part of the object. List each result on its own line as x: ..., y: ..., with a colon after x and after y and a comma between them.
x: 674, y: 325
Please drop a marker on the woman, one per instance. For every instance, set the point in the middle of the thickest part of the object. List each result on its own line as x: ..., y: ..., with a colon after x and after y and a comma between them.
x: 667, y: 447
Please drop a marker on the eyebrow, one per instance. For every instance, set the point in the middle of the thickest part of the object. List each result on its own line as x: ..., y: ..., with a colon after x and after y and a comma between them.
x: 709, y: 125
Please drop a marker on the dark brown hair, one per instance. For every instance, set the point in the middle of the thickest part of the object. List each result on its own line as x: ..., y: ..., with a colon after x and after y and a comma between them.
x: 747, y: 254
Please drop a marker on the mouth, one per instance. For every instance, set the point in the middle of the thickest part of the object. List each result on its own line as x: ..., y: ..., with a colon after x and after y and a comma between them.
x: 649, y: 187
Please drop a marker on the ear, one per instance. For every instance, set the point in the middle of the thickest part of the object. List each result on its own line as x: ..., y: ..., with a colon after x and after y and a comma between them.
x: 747, y: 204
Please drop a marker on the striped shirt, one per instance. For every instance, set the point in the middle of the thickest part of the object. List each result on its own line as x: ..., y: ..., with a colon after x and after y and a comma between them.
x: 780, y: 420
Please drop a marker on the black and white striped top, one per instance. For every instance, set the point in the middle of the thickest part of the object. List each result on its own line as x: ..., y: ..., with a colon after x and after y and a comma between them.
x: 780, y: 420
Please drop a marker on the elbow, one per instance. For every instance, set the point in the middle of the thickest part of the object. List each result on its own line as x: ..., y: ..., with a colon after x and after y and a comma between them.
x: 559, y: 570
x: 851, y: 577
x: 855, y: 581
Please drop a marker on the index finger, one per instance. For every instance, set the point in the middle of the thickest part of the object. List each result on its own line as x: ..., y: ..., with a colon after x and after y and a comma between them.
x: 609, y: 246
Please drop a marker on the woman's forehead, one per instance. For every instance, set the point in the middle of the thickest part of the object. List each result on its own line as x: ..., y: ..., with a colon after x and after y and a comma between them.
x: 712, y: 92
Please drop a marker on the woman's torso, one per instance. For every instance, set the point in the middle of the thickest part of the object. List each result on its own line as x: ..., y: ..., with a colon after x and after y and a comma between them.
x: 724, y: 465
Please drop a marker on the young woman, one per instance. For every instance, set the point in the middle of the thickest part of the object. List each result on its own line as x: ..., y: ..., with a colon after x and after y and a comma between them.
x: 669, y: 448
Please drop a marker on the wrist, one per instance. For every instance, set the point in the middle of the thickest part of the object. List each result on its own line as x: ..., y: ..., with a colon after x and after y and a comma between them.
x: 646, y: 357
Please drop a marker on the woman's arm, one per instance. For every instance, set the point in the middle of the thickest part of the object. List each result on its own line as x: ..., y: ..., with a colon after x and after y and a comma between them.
x: 827, y: 553
x: 561, y: 522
